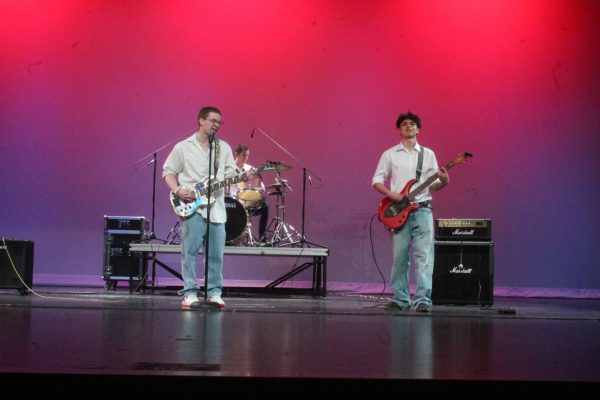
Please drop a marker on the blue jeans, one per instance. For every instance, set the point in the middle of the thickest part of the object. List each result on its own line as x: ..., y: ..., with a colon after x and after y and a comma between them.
x: 192, y: 241
x: 417, y: 230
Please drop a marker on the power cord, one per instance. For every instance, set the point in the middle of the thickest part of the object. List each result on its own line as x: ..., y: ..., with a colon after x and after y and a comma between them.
x: 12, y: 264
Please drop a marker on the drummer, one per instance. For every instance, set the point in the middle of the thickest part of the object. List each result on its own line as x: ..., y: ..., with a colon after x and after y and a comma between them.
x: 254, y: 187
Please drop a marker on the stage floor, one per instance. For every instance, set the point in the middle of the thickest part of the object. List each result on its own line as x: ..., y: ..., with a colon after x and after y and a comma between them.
x: 266, y: 343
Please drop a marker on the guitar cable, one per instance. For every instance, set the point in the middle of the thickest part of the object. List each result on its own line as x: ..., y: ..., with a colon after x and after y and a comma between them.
x: 379, y: 297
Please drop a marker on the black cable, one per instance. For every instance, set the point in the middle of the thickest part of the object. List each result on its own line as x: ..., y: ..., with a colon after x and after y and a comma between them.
x: 375, y: 258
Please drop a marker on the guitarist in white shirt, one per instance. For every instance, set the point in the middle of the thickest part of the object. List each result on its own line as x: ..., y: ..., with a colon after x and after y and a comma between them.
x: 399, y: 165
x: 186, y: 165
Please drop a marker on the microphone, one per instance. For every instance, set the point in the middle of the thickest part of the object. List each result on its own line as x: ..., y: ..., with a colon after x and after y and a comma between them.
x: 211, y: 137
x: 252, y: 134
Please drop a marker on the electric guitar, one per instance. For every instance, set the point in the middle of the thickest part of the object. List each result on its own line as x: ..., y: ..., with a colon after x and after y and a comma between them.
x: 393, y: 214
x: 200, y: 190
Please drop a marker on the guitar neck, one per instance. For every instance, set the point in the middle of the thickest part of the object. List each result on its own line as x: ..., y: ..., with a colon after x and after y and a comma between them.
x: 218, y: 185
x: 428, y: 182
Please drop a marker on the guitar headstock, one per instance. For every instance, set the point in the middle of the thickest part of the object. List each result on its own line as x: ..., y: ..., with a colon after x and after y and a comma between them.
x: 462, y: 157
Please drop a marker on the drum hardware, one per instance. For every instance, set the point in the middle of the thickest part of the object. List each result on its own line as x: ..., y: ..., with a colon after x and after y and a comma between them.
x: 282, y: 233
x: 306, y: 175
x: 249, y: 240
x: 280, y: 183
x: 252, y: 199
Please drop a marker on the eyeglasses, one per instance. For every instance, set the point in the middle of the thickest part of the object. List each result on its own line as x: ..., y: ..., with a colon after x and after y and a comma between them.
x: 215, y: 121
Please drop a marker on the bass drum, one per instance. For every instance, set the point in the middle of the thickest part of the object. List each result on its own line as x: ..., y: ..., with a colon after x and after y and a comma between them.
x: 237, y: 221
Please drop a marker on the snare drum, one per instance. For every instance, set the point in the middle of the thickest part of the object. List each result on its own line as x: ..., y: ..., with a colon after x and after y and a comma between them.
x: 237, y: 221
x: 251, y: 198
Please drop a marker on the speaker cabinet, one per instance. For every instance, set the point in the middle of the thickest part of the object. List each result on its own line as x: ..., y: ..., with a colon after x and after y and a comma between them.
x: 21, y: 254
x: 119, y: 263
x: 463, y: 273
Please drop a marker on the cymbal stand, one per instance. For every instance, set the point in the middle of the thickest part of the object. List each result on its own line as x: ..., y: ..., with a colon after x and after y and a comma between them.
x: 249, y: 240
x: 307, y: 173
x: 283, y: 234
x: 175, y: 232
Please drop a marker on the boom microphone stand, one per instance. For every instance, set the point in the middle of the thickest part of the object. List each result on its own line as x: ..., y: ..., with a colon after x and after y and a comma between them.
x: 138, y: 165
x: 306, y: 173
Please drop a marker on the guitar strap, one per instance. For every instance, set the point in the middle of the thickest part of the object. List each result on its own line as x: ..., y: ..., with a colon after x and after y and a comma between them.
x: 217, y: 155
x: 420, y: 163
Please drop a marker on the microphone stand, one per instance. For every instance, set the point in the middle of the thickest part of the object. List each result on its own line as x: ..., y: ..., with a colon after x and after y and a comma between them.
x: 152, y: 236
x: 206, y: 304
x: 138, y: 166
x: 306, y: 172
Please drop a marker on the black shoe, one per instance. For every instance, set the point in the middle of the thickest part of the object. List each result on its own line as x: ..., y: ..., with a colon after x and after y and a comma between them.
x: 392, y: 305
x: 424, y: 308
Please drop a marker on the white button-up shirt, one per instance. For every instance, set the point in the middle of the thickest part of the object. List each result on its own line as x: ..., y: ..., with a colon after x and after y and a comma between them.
x: 188, y: 161
x: 400, y: 165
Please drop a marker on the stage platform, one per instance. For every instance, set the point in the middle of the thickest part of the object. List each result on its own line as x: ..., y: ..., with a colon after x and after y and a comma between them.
x: 318, y: 263
x: 86, y: 342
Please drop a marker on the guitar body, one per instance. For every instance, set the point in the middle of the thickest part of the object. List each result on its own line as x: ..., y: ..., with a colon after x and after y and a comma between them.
x: 200, y: 189
x: 393, y: 214
x: 185, y: 210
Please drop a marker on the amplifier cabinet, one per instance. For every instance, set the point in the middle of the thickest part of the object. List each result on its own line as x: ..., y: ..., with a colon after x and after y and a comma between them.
x: 125, y: 223
x: 21, y: 254
x: 463, y: 273
x: 119, y: 263
x: 463, y: 229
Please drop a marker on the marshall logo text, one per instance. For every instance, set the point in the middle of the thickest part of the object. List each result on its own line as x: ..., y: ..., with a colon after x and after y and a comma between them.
x: 458, y: 232
x: 460, y: 269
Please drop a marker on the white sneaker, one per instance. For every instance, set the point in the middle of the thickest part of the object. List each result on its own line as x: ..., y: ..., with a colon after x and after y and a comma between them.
x: 190, y: 300
x: 218, y: 300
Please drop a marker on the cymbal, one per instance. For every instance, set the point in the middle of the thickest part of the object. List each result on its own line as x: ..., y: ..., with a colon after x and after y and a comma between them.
x: 280, y: 166
x: 283, y: 166
x: 275, y: 186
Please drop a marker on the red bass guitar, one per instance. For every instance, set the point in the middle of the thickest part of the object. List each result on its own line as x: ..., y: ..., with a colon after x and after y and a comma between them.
x: 393, y: 214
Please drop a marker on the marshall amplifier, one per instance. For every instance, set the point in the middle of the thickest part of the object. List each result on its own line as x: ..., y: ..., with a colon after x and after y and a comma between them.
x: 119, y: 263
x: 463, y: 273
x: 16, y: 255
x: 461, y: 229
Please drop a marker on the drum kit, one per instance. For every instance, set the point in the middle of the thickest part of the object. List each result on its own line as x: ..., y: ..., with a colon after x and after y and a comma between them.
x: 246, y: 204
